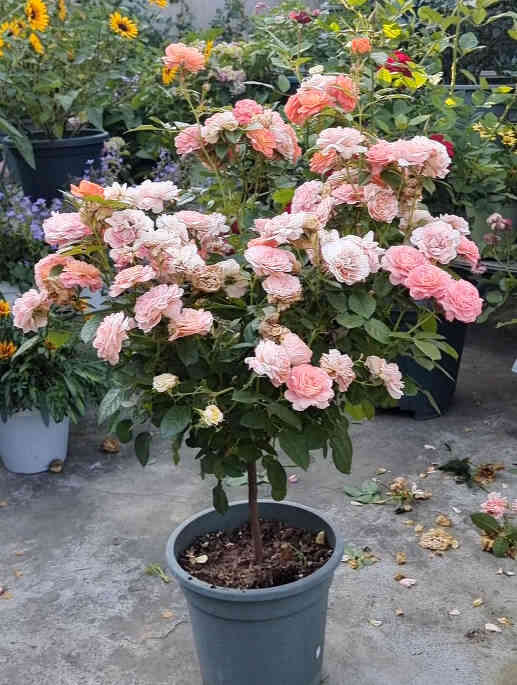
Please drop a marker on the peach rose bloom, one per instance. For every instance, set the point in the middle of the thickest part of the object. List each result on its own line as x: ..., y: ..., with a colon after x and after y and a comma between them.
x: 269, y: 260
x: 322, y: 163
x: 190, y: 322
x: 188, y: 140
x: 426, y: 281
x: 399, y: 261
x: 437, y: 241
x: 86, y: 188
x: 282, y: 289
x: 469, y: 251
x: 82, y: 275
x: 297, y: 351
x: 339, y: 367
x: 221, y: 121
x: 306, y: 104
x: 162, y: 300
x: 461, y: 301
x: 389, y: 374
x: 262, y: 140
x: 345, y: 92
x: 382, y: 203
x: 346, y: 260
x: 348, y: 193
x: 309, y: 386
x: 307, y: 196
x: 245, y: 110
x: 286, y: 142
x: 379, y: 156
x: 181, y: 55
x: 283, y: 228
x: 110, y: 336
x: 30, y: 311
x: 64, y: 229
x: 47, y: 270
x: 360, y: 46
x: 129, y: 278
x: 457, y: 222
x: 270, y: 360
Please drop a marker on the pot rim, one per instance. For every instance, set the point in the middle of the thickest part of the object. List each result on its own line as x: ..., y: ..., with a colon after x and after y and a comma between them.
x: 92, y: 135
x: 256, y: 594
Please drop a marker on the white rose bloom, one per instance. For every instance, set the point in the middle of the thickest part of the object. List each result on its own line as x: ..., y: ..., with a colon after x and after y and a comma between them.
x: 212, y: 415
x: 165, y: 382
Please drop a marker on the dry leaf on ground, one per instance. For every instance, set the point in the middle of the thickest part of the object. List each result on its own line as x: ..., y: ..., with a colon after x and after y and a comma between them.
x: 492, y: 628
x: 505, y: 621
x: 437, y: 539
x: 56, y: 466
x: 320, y: 538
x: 374, y: 623
x: 419, y: 528
x: 399, y: 612
x: 110, y: 445
x: 477, y: 602
x: 407, y: 582
x: 486, y: 473
x: 401, y: 558
x: 17, y: 573
x: 201, y: 559
x: 442, y: 520
x: 167, y: 613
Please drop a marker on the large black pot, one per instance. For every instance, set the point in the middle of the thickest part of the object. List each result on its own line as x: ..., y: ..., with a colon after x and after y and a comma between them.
x: 57, y: 162
x: 440, y: 386
x: 273, y: 636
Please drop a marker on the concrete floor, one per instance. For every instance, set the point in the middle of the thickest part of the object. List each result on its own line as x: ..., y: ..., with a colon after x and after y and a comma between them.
x: 85, y: 613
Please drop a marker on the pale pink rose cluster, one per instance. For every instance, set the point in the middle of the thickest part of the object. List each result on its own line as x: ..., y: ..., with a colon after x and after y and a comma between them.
x: 311, y: 197
x: 428, y: 157
x: 350, y: 259
x: 388, y: 373
x: 264, y: 129
x: 496, y: 505
x: 319, y: 92
x: 64, y: 229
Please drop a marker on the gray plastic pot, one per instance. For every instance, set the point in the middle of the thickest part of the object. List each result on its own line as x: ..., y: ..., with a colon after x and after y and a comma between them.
x: 273, y: 636
x: 27, y: 445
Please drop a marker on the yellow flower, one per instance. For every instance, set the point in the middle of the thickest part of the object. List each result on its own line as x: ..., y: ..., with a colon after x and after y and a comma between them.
x: 160, y: 3
x: 168, y: 75
x: 37, y: 14
x: 5, y: 27
x: 63, y: 11
x: 5, y: 308
x: 37, y: 45
x: 208, y: 48
x: 2, y: 43
x: 391, y: 30
x: 451, y: 102
x: 7, y: 349
x: 335, y: 27
x: 16, y: 26
x: 124, y: 26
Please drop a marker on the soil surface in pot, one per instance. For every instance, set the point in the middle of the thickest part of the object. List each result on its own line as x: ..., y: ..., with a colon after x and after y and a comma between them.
x: 227, y: 559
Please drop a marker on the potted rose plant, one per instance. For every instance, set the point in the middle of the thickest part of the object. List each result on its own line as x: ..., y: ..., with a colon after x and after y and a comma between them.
x: 246, y: 345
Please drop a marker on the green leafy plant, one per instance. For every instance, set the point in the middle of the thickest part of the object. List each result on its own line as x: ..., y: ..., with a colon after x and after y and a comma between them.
x: 500, y: 537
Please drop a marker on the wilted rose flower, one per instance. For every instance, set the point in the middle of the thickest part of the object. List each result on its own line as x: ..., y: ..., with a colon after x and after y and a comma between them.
x: 207, y: 279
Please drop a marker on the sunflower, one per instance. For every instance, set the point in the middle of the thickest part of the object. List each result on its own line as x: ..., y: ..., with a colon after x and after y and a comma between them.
x: 62, y: 10
x: 168, y: 75
x: 37, y: 45
x: 124, y: 26
x: 37, y: 14
x: 160, y: 3
x: 5, y: 308
x: 7, y: 349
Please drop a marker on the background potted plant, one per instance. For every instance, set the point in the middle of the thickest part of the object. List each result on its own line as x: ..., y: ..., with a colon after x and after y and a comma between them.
x: 46, y: 381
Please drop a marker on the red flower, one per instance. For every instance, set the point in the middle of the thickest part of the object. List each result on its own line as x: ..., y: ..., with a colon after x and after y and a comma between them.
x: 395, y: 63
x: 401, y: 57
x: 441, y: 139
x: 301, y: 17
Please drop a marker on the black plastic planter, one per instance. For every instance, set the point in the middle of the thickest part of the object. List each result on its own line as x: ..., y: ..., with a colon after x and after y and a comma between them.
x: 438, y: 384
x: 57, y: 162
x: 273, y: 636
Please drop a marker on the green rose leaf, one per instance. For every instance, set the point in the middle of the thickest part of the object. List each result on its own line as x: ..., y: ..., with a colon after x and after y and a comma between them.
x: 283, y: 83
x: 294, y: 445
x: 486, y: 522
x: 142, y: 445
x: 89, y: 330
x: 175, y: 421
x: 378, y: 331
x: 219, y: 499
x: 187, y: 350
x: 278, y: 479
x: 286, y: 415
x: 256, y: 419
x: 501, y: 546
x: 246, y: 396
x: 349, y: 320
x: 428, y: 349
x: 363, y: 304
x: 124, y: 430
x: 110, y: 404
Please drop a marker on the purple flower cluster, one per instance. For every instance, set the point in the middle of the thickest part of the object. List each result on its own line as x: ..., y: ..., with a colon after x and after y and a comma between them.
x: 20, y: 212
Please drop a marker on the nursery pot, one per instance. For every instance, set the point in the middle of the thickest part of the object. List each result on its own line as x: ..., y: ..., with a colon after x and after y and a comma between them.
x: 57, y: 162
x: 253, y: 637
x: 27, y: 445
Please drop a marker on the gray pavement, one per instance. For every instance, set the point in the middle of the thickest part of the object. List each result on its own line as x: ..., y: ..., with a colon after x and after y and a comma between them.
x: 85, y: 613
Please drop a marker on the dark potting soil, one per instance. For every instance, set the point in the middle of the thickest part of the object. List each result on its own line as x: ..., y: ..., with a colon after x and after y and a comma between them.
x: 227, y: 559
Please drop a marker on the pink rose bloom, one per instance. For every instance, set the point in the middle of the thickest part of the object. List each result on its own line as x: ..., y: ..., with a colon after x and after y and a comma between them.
x: 469, y: 251
x: 286, y: 142
x: 439, y: 162
x: 129, y: 278
x: 181, y: 55
x: 297, y: 351
x: 456, y: 222
x: 245, y: 110
x: 282, y: 288
x: 426, y: 281
x: 379, y: 156
x: 462, y: 302
x: 269, y: 260
x: 389, y: 374
x: 307, y: 103
x: 400, y: 260
x: 110, y: 335
x: 188, y: 140
x: 221, y: 121
x: 48, y: 269
x: 412, y: 152
x: 209, y: 229
x: 322, y: 163
x: 437, y: 241
x: 270, y: 360
x: 283, y: 228
x: 82, y: 275
x: 123, y: 257
x: 162, y: 300
x: 370, y: 248
x: 345, y: 92
x: 339, y: 367
x: 344, y: 140
x: 152, y: 195
x: 64, y: 229
x: 309, y: 386
x: 125, y: 227
x: 382, y: 203
x: 349, y: 193
x: 495, y: 505
x: 30, y: 311
x: 307, y: 197
x: 346, y: 260
x: 190, y: 322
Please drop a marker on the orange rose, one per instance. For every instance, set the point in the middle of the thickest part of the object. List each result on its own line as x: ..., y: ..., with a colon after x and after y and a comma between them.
x: 86, y: 188
x: 360, y: 46
x: 306, y: 103
x: 262, y: 140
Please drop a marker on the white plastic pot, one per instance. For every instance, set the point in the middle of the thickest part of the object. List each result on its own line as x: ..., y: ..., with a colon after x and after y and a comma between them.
x: 27, y: 445
x: 9, y: 292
